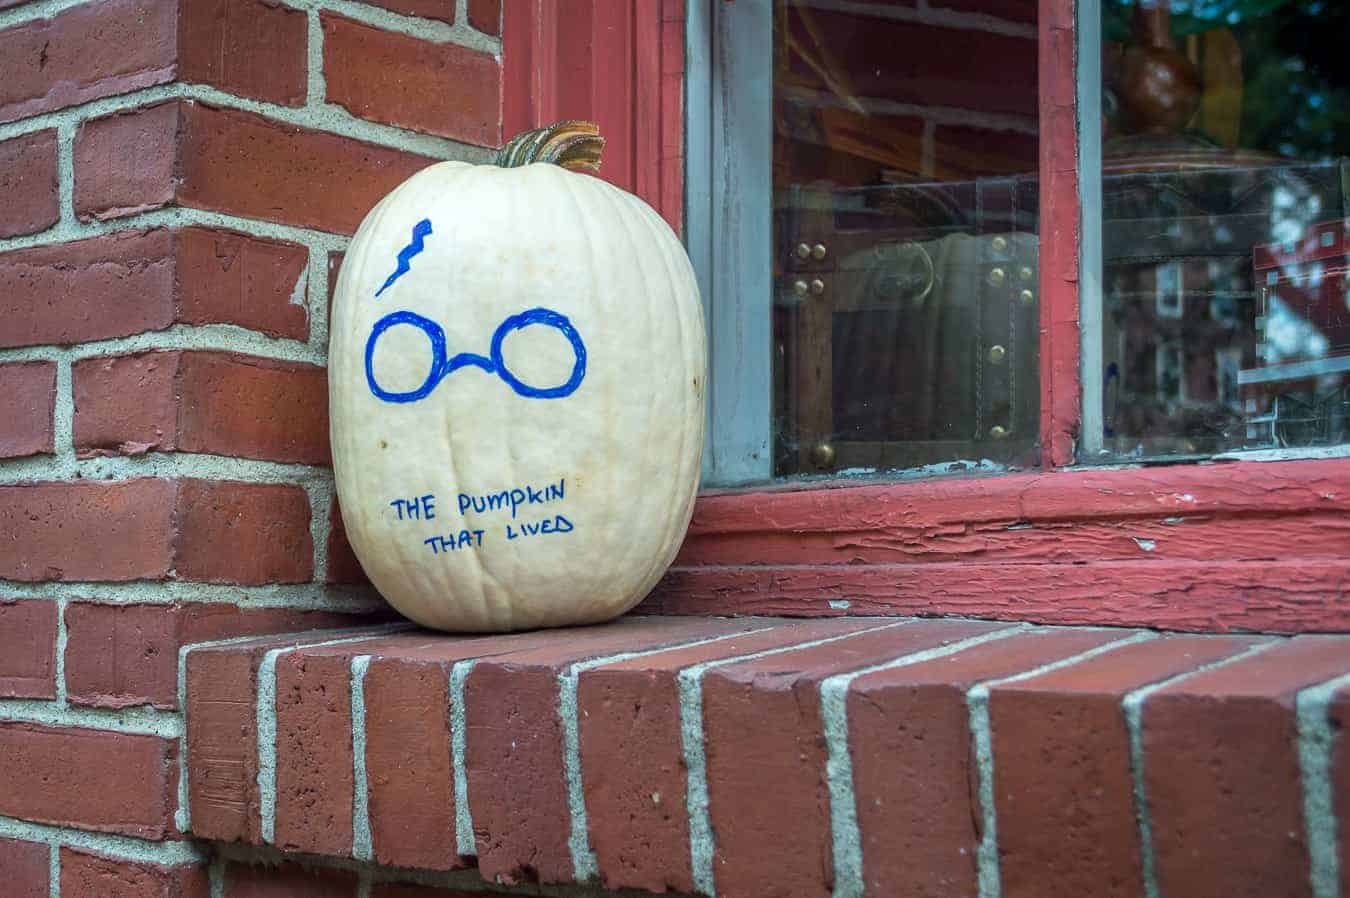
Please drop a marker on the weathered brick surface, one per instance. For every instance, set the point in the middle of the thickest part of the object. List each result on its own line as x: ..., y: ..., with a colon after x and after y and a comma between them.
x: 1062, y: 769
x: 412, y: 796
x: 28, y: 183
x: 767, y: 793
x: 126, y: 405
x: 85, y: 290
x: 137, y: 281
x: 251, y: 48
x: 89, y: 779
x: 314, y: 754
x: 246, y: 533
x: 486, y: 15
x: 211, y: 402
x: 224, y: 277
x: 1223, y: 791
x: 343, y: 566
x: 27, y: 649
x: 287, y: 881
x: 516, y: 784
x: 88, y: 875
x: 632, y: 756
x: 27, y: 406
x: 88, y: 51
x: 913, y: 771
x: 222, y: 741
x: 186, y: 153
x: 26, y: 866
x: 440, y: 88
x: 1063, y: 789
x: 86, y: 530
x: 118, y: 655
x: 444, y: 10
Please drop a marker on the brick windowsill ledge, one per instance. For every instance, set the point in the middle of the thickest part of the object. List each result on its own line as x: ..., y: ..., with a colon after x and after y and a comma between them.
x: 797, y: 758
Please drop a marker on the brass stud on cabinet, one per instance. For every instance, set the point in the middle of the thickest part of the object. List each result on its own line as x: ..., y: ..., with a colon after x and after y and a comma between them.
x: 997, y: 276
x: 822, y: 455
x: 803, y: 251
x: 1025, y: 273
x: 1027, y: 297
x: 1000, y: 244
x: 817, y: 286
x: 819, y: 252
x: 997, y: 354
x: 801, y: 288
x: 998, y: 432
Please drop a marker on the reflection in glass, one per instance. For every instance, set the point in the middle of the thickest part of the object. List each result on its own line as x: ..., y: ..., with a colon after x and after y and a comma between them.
x: 1225, y: 125
x: 905, y: 249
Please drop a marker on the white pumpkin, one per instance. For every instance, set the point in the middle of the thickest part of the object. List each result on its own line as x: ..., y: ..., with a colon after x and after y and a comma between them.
x: 517, y: 372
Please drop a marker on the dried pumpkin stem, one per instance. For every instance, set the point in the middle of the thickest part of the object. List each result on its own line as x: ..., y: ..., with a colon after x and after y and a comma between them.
x: 573, y: 144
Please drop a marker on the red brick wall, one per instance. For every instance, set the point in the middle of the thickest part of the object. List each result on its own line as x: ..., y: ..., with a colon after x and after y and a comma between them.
x: 174, y: 178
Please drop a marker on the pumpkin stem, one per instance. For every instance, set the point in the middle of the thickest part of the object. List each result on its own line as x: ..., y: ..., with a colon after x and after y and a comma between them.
x: 573, y: 144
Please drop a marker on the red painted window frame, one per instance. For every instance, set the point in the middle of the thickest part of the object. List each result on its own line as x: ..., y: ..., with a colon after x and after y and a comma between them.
x: 1214, y: 547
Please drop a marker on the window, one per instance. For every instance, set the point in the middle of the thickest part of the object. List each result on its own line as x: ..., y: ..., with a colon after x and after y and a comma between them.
x: 874, y: 274
x: 1215, y: 138
x: 865, y: 205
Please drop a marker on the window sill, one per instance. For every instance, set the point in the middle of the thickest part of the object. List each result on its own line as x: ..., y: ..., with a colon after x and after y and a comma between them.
x: 710, y: 754
x: 1232, y: 546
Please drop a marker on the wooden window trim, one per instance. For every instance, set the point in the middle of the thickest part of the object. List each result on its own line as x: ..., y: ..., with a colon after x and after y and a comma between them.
x: 1229, y: 545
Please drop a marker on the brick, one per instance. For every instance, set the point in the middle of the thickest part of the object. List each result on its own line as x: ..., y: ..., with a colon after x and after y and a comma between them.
x: 343, y: 566
x: 245, y: 533
x: 86, y: 530
x: 222, y: 739
x: 314, y: 754
x: 1222, y: 772
x: 514, y: 744
x: 632, y: 754
x: 768, y: 797
x: 123, y: 655
x: 27, y: 649
x: 27, y: 406
x: 189, y: 154
x: 211, y: 402
x: 440, y: 88
x: 93, y: 289
x: 128, y: 162
x: 26, y: 866
x: 486, y: 15
x: 1338, y: 714
x: 287, y: 881
x: 90, y: 779
x: 126, y: 405
x: 229, y: 278
x: 28, y: 183
x: 1062, y: 774
x: 251, y: 48
x: 411, y: 790
x: 913, y: 775
x: 137, y: 281
x: 86, y: 52
x: 87, y: 875
x: 444, y: 10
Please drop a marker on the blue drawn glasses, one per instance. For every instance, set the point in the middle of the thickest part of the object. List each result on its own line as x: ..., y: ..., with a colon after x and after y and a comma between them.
x: 442, y: 366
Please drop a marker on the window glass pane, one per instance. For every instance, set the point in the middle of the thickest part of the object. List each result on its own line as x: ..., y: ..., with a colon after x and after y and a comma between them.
x: 904, y: 228
x: 1225, y: 125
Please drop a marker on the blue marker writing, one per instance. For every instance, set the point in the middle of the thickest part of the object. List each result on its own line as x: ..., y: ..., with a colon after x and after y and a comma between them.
x: 442, y: 366
x: 420, y: 230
